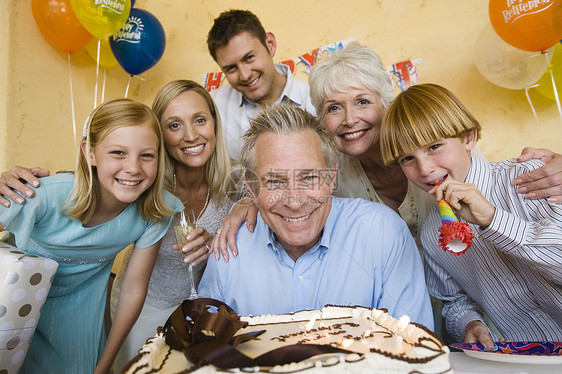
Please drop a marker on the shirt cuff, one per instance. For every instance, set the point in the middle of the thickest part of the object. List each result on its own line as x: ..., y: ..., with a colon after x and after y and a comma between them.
x: 494, y: 337
x: 464, y: 320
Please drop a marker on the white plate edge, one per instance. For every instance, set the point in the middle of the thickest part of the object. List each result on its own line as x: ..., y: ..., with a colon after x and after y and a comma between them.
x: 520, y: 359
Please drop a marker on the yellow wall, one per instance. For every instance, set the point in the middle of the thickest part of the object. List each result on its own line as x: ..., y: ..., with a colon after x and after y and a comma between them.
x: 5, y: 42
x: 35, y: 119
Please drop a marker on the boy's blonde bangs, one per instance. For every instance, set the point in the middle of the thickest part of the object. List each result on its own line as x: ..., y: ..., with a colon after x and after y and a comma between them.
x: 421, y: 115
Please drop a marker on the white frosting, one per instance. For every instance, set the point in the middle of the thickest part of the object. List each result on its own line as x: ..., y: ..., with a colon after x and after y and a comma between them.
x: 388, y: 346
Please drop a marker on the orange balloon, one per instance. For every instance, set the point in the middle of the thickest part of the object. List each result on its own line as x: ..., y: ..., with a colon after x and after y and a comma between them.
x: 531, y: 25
x: 58, y: 24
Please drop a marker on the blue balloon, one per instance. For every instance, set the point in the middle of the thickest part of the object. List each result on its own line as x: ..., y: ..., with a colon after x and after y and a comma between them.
x: 140, y: 43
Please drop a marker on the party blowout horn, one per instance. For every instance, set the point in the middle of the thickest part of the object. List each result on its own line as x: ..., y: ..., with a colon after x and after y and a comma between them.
x: 455, y: 237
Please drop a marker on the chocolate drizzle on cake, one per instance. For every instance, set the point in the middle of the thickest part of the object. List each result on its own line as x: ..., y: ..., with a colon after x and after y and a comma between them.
x: 383, y: 340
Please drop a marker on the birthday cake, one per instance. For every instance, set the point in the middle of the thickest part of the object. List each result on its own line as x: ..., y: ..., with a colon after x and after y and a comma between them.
x: 333, y: 340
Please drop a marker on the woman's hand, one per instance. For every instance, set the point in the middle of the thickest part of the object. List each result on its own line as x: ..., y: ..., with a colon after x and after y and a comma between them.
x: 199, y: 243
x: 544, y: 182
x: 11, y: 181
x: 242, y: 211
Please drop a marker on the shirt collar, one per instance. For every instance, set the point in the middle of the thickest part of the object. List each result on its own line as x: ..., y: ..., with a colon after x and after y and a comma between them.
x: 323, y: 244
x: 290, y: 94
x: 276, y: 247
x: 479, y: 174
x: 241, y: 99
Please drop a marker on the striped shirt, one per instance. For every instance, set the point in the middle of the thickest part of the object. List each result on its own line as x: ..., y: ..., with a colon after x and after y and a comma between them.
x: 513, y: 271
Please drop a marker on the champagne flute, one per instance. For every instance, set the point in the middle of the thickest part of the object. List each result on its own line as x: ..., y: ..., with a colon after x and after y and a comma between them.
x: 184, y: 223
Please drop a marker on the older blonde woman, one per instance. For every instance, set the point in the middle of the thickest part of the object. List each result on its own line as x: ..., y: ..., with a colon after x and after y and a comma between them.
x: 351, y: 92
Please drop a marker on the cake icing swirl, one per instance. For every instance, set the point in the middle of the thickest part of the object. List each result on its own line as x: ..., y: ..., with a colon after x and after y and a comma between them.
x: 371, y: 341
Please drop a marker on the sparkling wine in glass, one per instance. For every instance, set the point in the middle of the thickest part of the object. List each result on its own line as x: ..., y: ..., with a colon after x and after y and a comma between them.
x: 184, y: 223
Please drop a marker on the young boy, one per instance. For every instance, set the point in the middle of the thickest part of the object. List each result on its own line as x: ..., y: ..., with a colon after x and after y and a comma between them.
x: 513, y: 271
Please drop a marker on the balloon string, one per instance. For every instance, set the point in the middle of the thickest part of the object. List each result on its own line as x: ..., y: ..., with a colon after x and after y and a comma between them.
x: 530, y: 102
x: 97, y: 74
x: 128, y: 84
x: 71, y: 99
x: 103, y: 86
x: 555, y: 92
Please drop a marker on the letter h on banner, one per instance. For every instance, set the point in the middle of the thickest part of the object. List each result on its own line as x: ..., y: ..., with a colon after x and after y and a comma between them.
x: 212, y: 81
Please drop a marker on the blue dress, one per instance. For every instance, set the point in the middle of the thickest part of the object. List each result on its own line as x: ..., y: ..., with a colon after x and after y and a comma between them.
x: 70, y: 334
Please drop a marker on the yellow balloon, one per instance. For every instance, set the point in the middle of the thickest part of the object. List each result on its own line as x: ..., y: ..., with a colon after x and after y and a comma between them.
x: 107, y: 60
x: 102, y: 18
x: 545, y: 83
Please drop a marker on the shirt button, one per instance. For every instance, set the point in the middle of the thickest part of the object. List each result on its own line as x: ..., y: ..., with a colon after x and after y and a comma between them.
x: 301, y: 278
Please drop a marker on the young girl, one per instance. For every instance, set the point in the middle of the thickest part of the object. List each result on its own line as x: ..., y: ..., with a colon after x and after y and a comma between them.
x: 82, y: 220
x: 513, y: 270
x: 201, y: 175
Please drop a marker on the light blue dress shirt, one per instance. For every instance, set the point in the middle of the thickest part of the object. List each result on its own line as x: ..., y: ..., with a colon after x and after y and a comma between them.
x: 365, y: 256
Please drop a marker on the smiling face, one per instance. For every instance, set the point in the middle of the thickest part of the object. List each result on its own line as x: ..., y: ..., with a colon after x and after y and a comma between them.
x: 189, y: 130
x: 353, y: 118
x: 433, y: 163
x: 295, y: 187
x: 249, y: 68
x: 126, y: 163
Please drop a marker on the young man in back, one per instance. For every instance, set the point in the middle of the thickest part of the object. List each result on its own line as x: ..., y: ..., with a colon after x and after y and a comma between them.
x: 244, y: 52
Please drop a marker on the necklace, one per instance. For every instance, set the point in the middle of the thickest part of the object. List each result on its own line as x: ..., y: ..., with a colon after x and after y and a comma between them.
x: 206, y: 199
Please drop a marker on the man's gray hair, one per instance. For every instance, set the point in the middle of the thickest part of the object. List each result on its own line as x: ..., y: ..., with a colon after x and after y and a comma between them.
x: 285, y: 119
x: 355, y: 66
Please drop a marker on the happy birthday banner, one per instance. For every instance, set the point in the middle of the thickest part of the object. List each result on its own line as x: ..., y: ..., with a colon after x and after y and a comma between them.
x: 402, y: 74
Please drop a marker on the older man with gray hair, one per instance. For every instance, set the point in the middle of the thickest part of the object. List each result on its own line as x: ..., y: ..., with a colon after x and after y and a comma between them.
x: 309, y: 249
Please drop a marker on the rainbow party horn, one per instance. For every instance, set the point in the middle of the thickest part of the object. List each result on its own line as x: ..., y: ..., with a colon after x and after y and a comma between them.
x: 455, y: 236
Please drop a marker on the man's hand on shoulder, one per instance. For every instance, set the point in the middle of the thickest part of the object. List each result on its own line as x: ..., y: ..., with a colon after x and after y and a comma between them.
x: 243, y: 211
x: 544, y: 182
x: 15, y: 179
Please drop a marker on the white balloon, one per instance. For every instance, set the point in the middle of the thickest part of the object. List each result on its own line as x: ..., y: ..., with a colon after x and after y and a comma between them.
x: 505, y: 65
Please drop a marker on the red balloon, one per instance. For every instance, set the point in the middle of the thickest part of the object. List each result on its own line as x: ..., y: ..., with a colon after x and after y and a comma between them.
x: 58, y: 24
x: 531, y: 25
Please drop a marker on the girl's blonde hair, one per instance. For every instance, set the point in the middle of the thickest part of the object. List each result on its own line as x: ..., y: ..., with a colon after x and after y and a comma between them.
x: 85, y: 194
x: 421, y: 115
x: 219, y: 170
